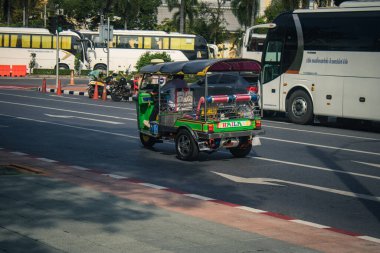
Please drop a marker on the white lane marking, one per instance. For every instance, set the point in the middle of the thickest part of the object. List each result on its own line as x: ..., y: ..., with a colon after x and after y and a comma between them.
x: 18, y: 153
x: 250, y: 209
x: 278, y: 122
x: 196, y: 196
x: 369, y: 238
x: 46, y: 160
x: 321, y: 146
x: 315, y: 167
x: 316, y: 132
x: 115, y: 176
x: 76, y: 127
x: 369, y: 164
x: 64, y: 110
x: 158, y: 187
x: 258, y: 158
x: 308, y: 223
x: 97, y: 120
x: 63, y: 101
x: 272, y: 181
x: 79, y: 167
x: 62, y: 97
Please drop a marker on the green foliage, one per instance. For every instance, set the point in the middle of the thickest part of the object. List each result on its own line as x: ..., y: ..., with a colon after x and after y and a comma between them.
x: 243, y: 11
x: 274, y: 9
x: 146, y: 59
x: 77, y: 63
x: 67, y: 72
x: 51, y: 72
x: 210, y: 23
x: 32, y: 62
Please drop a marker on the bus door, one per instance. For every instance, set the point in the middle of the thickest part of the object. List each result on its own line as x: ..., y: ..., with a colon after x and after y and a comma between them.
x: 271, y: 75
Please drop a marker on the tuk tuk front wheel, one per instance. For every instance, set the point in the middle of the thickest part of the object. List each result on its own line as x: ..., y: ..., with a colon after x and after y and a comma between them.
x: 185, y: 145
x: 147, y: 141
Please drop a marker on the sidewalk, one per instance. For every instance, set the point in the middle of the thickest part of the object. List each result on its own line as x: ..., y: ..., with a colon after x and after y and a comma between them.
x: 76, y: 89
x: 51, y: 207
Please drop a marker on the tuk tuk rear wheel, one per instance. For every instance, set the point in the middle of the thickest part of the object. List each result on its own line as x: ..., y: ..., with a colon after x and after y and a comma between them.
x: 243, y: 149
x: 241, y: 152
x: 147, y: 141
x: 185, y: 145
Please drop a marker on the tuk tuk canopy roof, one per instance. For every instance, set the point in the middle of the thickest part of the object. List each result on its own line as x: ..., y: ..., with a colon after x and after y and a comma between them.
x: 201, y: 67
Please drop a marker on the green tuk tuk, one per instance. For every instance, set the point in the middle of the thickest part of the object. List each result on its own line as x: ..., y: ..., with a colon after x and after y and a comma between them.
x: 203, y: 117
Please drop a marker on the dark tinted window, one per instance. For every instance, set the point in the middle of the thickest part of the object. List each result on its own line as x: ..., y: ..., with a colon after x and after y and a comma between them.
x: 228, y: 79
x: 341, y: 31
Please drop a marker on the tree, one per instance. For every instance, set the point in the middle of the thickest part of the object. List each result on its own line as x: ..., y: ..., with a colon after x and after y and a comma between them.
x: 17, y: 12
x: 147, y: 57
x: 209, y: 22
x: 245, y: 11
x: 188, y: 13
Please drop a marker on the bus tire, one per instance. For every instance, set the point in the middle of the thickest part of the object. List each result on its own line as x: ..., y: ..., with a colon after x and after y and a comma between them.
x: 300, y: 108
x: 62, y: 66
x: 185, y: 145
x: 100, y: 67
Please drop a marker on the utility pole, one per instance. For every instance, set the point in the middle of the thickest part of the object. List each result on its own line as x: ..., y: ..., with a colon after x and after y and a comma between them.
x: 108, y: 45
x: 57, y: 61
x: 182, y: 17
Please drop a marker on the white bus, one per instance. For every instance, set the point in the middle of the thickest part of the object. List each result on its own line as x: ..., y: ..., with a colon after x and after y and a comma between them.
x: 128, y: 45
x: 17, y: 45
x: 323, y: 62
x: 253, y: 41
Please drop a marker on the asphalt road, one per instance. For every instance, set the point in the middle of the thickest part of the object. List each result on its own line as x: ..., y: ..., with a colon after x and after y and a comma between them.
x: 324, y: 175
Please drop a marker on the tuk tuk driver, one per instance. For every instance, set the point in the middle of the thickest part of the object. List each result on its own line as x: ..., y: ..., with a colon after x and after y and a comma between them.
x: 177, y: 82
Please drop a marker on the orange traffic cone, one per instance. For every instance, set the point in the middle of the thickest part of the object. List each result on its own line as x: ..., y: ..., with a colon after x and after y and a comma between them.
x: 96, y: 93
x: 59, y: 89
x: 104, y: 94
x: 43, y: 88
x: 72, y: 77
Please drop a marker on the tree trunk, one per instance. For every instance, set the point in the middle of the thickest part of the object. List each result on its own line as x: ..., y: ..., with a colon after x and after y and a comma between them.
x: 182, y: 17
x: 9, y: 19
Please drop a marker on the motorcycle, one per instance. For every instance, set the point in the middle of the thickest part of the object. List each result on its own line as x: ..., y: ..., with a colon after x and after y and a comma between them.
x: 121, y: 89
x: 96, y: 78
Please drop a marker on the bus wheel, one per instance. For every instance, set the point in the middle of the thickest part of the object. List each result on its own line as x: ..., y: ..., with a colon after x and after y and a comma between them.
x: 62, y: 66
x: 147, y: 140
x: 185, y: 145
x: 100, y: 67
x: 300, y: 108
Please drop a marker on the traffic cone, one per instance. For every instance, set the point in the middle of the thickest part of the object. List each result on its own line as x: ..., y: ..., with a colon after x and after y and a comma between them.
x: 104, y: 95
x: 59, y: 89
x: 96, y: 93
x: 72, y: 77
x: 43, y: 88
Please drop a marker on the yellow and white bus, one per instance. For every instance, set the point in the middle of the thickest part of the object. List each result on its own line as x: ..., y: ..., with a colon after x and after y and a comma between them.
x: 323, y: 62
x: 128, y: 45
x: 17, y: 45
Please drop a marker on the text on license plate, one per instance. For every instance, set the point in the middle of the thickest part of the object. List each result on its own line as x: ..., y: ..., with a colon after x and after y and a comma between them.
x: 234, y: 124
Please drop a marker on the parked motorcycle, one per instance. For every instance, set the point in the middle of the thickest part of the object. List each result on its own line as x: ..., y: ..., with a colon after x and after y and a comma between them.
x: 122, y: 89
x: 96, y: 78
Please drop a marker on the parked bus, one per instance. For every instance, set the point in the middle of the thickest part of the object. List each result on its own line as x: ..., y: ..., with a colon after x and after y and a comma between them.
x: 128, y: 45
x: 323, y: 62
x: 253, y: 41
x: 17, y: 45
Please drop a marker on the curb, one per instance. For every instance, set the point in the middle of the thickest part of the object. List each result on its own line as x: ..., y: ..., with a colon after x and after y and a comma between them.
x: 72, y: 92
x: 201, y: 198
